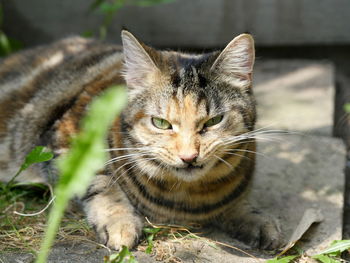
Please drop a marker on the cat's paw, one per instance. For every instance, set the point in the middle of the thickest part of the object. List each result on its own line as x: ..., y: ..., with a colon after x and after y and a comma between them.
x: 257, y: 230
x: 120, y: 232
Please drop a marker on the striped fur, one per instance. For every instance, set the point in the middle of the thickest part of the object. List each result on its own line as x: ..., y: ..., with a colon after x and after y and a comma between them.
x: 189, y: 173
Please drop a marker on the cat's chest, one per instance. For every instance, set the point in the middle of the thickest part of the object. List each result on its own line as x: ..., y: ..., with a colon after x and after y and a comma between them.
x: 180, y: 201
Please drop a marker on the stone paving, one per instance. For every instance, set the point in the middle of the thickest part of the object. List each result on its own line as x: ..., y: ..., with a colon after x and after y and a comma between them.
x: 295, y: 171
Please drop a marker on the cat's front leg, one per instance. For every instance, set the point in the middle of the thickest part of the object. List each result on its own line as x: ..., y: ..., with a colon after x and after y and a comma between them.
x: 252, y: 226
x: 111, y: 214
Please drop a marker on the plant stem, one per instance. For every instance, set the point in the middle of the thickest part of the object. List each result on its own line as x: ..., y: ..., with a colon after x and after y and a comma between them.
x: 14, y: 177
x: 54, y: 220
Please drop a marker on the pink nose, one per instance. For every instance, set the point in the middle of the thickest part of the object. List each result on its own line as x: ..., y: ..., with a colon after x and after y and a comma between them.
x: 188, y: 158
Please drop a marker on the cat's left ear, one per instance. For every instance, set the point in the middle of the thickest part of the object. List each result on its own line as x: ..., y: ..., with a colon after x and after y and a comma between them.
x: 235, y: 63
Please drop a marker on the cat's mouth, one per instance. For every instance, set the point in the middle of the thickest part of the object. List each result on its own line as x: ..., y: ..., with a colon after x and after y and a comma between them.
x: 189, y: 168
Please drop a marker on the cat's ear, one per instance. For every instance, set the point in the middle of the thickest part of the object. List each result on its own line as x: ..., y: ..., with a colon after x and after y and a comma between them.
x: 137, y: 62
x: 235, y: 63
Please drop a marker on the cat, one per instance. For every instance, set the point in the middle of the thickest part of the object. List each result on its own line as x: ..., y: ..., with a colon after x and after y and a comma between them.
x: 181, y: 152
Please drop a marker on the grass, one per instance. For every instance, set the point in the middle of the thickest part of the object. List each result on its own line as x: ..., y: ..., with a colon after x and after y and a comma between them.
x: 25, y: 233
x: 19, y: 233
x: 332, y: 254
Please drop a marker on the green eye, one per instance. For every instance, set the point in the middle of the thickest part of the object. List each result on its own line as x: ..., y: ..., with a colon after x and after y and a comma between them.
x: 161, y: 123
x: 214, y: 121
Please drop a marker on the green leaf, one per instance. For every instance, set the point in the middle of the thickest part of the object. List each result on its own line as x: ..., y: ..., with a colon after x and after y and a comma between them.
x: 8, y: 45
x: 146, y: 3
x: 87, y: 34
x: 286, y: 259
x: 38, y: 155
x: 96, y: 4
x: 151, y: 233
x: 325, y: 259
x: 84, y: 159
x: 346, y: 107
x: 5, y: 46
x: 150, y: 244
x: 337, y: 246
x: 110, y: 7
x: 149, y: 230
x: 124, y: 256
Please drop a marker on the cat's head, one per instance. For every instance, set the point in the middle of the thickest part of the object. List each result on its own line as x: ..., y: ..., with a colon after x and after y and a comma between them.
x: 185, y: 110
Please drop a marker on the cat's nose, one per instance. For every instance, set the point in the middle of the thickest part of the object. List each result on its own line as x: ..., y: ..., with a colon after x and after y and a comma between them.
x: 188, y: 158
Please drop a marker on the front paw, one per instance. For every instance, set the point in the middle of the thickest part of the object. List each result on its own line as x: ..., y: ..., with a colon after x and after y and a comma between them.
x: 121, y: 231
x: 257, y: 230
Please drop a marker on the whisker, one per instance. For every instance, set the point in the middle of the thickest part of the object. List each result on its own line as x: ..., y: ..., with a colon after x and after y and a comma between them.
x: 236, y: 154
x: 225, y: 162
x: 123, y: 149
x: 123, y: 157
x: 248, y: 151
x: 136, y: 162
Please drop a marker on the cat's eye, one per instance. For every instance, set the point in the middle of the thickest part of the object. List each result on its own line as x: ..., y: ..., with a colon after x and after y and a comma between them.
x: 161, y: 123
x: 214, y: 121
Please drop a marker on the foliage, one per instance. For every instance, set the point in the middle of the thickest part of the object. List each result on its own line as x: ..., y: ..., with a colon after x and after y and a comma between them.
x: 286, y: 259
x: 346, y: 108
x: 109, y: 8
x: 37, y: 155
x: 330, y: 255
x: 15, y: 194
x: 84, y: 159
x: 7, y: 45
x: 150, y: 234
x: 124, y: 256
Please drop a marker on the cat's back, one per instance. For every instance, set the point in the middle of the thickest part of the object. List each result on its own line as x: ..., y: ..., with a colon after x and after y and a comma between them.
x: 38, y: 86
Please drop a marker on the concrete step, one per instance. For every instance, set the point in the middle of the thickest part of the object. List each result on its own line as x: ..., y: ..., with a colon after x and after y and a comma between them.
x: 296, y: 95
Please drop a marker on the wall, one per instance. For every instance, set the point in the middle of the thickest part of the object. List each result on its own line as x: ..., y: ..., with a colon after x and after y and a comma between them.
x: 189, y: 23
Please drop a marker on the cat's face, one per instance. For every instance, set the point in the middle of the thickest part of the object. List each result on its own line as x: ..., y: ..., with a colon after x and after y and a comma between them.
x: 185, y: 110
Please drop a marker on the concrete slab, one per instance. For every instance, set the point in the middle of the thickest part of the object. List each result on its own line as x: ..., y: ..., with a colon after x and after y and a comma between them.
x: 292, y: 175
x: 295, y: 95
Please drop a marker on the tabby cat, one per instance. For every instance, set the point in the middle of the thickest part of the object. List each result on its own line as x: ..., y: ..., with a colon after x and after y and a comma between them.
x: 181, y: 152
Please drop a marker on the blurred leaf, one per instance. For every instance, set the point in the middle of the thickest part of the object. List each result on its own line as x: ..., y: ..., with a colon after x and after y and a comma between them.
x: 149, y: 230
x: 87, y: 34
x: 346, y: 107
x: 151, y: 2
x: 124, y: 256
x: 151, y: 234
x: 96, y: 4
x: 325, y: 259
x: 337, y: 246
x: 5, y: 44
x: 103, y: 32
x: 8, y: 45
x: 286, y: 259
x: 86, y: 156
x: 111, y: 7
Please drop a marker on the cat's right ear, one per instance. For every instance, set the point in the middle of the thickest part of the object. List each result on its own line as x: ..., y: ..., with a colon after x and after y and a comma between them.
x: 137, y: 62
x: 235, y: 63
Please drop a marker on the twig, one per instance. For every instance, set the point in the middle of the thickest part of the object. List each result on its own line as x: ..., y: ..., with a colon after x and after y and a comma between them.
x: 238, y: 249
x: 189, y: 232
x: 37, y: 213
